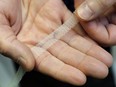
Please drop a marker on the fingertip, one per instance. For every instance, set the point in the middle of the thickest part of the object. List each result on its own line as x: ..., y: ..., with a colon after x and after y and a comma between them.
x: 109, y: 60
x: 76, y: 77
x: 29, y: 62
x: 101, y: 70
x: 105, y: 57
x: 81, y: 81
x: 93, y: 67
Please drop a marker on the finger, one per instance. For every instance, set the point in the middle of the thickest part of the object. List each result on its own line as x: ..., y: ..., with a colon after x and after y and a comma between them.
x: 12, y: 47
x: 87, y: 65
x: 90, y: 9
x: 76, y: 58
x: 50, y: 65
x: 87, y: 47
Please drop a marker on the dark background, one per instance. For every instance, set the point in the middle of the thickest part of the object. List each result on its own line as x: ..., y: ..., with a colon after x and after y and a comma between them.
x: 36, y: 79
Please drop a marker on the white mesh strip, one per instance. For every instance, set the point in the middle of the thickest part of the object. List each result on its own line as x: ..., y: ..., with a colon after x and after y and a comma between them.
x: 58, y: 33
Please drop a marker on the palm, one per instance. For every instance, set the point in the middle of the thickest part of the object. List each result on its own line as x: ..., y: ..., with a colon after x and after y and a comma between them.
x: 76, y: 58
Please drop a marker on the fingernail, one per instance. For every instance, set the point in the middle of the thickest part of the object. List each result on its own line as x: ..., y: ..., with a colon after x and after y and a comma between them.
x: 84, y: 12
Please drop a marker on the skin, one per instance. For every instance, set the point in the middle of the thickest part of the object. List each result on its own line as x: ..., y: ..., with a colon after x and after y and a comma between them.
x: 102, y: 29
x: 26, y: 23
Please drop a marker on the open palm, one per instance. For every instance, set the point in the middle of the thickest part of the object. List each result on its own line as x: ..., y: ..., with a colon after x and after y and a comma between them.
x: 73, y: 56
x: 70, y: 59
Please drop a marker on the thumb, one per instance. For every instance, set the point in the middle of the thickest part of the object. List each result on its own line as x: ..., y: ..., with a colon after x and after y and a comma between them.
x: 9, y: 45
x: 90, y: 9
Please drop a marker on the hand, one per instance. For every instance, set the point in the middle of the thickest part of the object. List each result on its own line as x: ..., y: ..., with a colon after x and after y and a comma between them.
x: 72, y: 57
x: 101, y: 29
x: 10, y: 25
